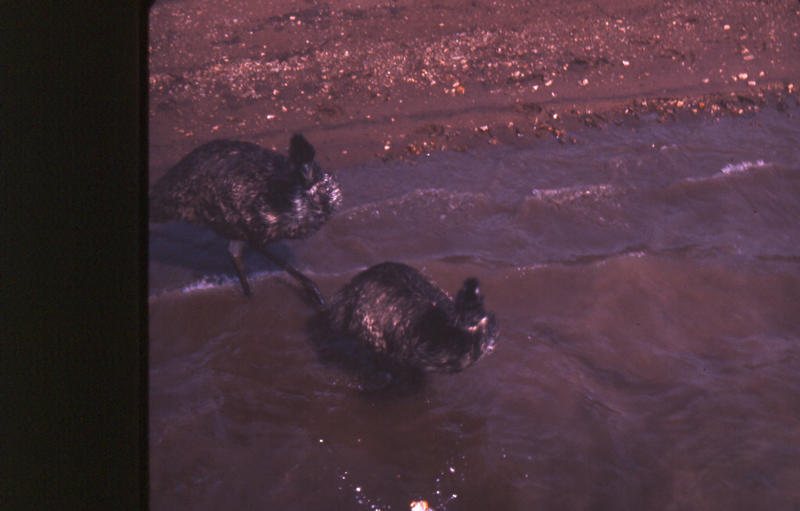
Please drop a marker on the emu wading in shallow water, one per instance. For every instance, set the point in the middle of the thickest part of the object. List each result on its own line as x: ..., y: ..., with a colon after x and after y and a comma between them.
x: 409, y: 324
x: 251, y: 196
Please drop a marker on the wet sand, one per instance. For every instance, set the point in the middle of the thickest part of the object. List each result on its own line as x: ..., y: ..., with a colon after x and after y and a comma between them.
x: 384, y: 79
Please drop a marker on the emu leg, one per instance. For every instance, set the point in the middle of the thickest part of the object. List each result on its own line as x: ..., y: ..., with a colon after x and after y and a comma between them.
x: 235, y: 249
x: 311, y: 289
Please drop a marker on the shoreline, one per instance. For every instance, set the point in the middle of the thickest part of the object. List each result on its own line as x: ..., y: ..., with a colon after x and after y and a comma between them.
x: 393, y: 80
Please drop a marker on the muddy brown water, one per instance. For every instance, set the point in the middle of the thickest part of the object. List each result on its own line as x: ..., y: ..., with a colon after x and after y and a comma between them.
x: 647, y: 285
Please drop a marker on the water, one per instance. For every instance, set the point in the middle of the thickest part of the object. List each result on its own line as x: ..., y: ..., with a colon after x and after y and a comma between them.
x: 647, y: 285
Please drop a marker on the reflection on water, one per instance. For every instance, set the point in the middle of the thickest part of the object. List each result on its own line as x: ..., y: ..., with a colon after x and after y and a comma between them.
x: 647, y: 286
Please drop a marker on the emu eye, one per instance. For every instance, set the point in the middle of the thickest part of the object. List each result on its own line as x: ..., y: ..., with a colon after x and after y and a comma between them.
x: 471, y: 287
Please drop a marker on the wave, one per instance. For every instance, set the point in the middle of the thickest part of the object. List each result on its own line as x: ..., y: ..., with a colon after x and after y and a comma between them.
x: 731, y: 170
x: 203, y: 284
x: 743, y: 166
x: 604, y: 191
x: 424, y: 201
x: 209, y: 282
x: 573, y: 193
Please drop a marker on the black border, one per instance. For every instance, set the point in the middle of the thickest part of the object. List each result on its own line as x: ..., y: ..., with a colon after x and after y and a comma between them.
x: 74, y: 173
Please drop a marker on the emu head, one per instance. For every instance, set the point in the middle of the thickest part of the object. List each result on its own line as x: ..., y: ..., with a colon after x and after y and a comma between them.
x: 469, y: 301
x: 474, y: 319
x: 301, y: 157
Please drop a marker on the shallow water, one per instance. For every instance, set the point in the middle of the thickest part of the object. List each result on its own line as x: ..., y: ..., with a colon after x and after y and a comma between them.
x: 647, y: 285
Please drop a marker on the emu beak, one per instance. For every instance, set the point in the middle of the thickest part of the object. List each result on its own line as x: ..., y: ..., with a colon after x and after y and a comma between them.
x: 479, y: 325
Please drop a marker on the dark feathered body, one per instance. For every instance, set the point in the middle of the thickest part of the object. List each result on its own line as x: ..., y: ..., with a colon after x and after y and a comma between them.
x: 249, y: 195
x: 245, y: 192
x: 408, y: 322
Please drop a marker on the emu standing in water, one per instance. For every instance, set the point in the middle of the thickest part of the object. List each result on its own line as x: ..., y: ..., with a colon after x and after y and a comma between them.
x: 408, y: 323
x: 251, y: 196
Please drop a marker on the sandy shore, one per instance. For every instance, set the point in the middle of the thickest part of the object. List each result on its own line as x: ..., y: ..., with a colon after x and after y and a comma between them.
x: 394, y: 79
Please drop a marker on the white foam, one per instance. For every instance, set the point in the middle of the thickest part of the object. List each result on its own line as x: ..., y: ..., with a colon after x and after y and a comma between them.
x: 572, y: 193
x: 209, y: 283
x: 743, y: 166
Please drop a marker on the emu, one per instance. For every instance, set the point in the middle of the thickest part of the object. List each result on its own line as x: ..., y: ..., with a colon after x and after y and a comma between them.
x: 251, y: 196
x: 409, y: 324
